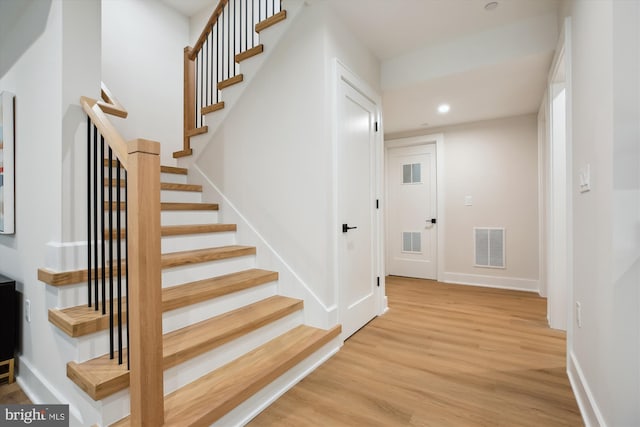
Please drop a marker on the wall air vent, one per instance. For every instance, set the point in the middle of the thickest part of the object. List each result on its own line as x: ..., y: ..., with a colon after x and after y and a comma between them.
x: 489, y: 247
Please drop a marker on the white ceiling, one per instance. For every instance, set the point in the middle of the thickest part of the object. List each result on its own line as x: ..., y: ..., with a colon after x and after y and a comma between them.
x: 390, y: 28
x: 10, y: 12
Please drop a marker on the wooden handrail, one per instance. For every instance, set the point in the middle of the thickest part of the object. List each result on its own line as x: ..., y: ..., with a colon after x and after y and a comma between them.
x: 111, y: 105
x: 207, y: 29
x: 106, y: 129
x: 141, y: 159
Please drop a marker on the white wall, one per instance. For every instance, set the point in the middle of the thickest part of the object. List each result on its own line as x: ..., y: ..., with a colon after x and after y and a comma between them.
x: 604, y: 356
x: 142, y: 64
x: 48, y: 59
x: 272, y: 157
x: 495, y: 162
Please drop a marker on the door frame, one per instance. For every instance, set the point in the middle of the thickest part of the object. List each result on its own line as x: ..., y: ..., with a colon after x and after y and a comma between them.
x: 559, y: 75
x: 340, y: 73
x: 438, y: 140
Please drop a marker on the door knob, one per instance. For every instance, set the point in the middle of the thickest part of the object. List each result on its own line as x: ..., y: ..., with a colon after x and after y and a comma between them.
x: 345, y: 228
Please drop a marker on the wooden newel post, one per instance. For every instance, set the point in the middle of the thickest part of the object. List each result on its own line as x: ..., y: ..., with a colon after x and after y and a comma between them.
x: 189, y: 109
x: 145, y: 302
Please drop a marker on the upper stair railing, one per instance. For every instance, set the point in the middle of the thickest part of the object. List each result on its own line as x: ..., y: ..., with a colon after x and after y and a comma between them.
x: 230, y: 35
x: 134, y: 264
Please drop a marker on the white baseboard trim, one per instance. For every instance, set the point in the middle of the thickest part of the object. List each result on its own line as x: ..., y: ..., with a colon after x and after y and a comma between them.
x: 42, y: 392
x: 589, y: 409
x: 512, y: 283
x: 317, y: 313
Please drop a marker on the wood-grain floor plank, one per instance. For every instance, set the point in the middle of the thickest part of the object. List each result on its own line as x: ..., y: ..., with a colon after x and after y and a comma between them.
x: 443, y: 355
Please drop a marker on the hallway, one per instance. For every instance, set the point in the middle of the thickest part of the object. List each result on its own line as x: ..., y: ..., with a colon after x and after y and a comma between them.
x: 443, y: 355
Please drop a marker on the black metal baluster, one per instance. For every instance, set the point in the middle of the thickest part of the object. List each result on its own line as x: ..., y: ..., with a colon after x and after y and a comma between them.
x: 221, y: 22
x: 199, y: 112
x: 89, y: 210
x: 206, y: 66
x: 126, y: 257
x: 110, y: 189
x: 218, y: 74
x: 246, y: 26
x: 103, y: 229
x: 239, y: 20
x: 229, y: 75
x: 211, y: 82
x: 119, y: 256
x: 95, y: 217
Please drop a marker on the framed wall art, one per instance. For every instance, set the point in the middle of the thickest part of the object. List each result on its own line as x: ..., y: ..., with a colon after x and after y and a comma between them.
x: 7, y: 163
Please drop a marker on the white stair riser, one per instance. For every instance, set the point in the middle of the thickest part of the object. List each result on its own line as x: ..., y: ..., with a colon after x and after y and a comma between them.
x: 197, y: 241
x: 188, y: 217
x: 96, y: 344
x: 206, y: 270
x: 180, y: 196
x: 117, y: 405
x: 173, y: 177
x: 176, y: 196
x: 186, y: 316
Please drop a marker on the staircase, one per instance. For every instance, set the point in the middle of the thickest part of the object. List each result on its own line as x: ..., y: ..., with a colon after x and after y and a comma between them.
x: 227, y: 334
x: 230, y: 342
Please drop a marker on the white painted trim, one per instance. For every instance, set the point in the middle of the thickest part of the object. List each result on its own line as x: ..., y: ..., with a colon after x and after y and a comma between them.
x: 41, y: 392
x: 591, y: 414
x: 331, y: 310
x: 437, y: 139
x: 340, y: 72
x: 513, y: 283
x: 66, y: 256
x: 542, y: 194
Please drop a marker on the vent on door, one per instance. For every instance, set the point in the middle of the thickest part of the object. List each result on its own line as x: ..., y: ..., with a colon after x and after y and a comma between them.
x: 489, y: 245
x: 412, y: 242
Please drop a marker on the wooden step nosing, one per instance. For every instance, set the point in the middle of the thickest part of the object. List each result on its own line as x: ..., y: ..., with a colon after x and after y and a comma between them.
x: 179, y: 259
x: 249, y: 53
x: 197, y: 131
x: 230, y: 81
x: 163, y: 168
x: 182, y: 153
x: 212, y: 108
x: 272, y: 20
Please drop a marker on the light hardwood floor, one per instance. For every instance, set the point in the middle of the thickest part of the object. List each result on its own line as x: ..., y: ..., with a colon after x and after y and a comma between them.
x: 443, y: 355
x: 11, y: 394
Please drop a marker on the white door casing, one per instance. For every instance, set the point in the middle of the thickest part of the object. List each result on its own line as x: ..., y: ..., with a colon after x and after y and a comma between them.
x: 357, y: 177
x: 411, y: 191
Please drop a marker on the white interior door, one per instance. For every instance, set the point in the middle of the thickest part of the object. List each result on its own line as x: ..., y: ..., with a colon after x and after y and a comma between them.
x: 356, y: 208
x: 412, y: 243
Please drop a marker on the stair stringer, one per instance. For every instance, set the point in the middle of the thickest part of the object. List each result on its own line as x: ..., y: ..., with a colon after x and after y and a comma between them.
x: 290, y: 283
x: 249, y: 68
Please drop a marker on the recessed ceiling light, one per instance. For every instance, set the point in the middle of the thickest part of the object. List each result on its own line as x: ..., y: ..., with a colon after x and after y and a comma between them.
x: 424, y: 125
x: 491, y: 5
x: 444, y: 108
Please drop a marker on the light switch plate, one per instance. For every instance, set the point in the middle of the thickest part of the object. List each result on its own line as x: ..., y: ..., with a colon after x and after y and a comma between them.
x: 585, y: 178
x: 468, y: 201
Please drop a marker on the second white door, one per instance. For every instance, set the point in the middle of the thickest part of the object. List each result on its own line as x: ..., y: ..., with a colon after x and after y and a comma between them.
x: 411, y: 209
x: 356, y: 208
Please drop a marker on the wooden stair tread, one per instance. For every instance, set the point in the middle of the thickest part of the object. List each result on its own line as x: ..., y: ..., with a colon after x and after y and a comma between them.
x: 174, y: 206
x: 197, y: 131
x: 211, y: 108
x: 256, y: 50
x: 102, y: 376
x: 177, y: 259
x: 272, y: 20
x: 182, y: 230
x: 163, y: 169
x: 82, y: 320
x: 230, y: 81
x: 182, y: 153
x: 210, y: 397
x: 170, y: 260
